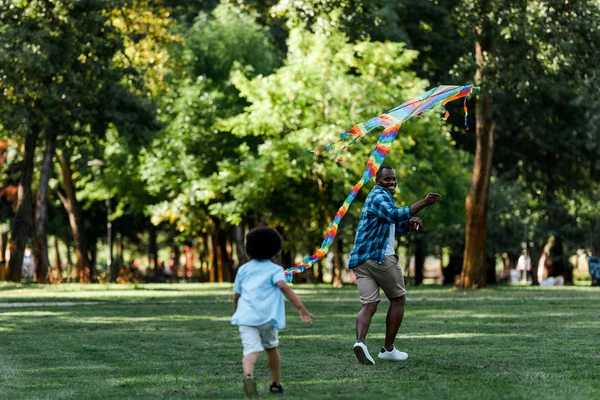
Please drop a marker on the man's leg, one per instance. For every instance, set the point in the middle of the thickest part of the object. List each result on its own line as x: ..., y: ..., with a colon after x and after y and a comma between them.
x: 393, y: 321
x: 368, y: 290
x: 363, y: 320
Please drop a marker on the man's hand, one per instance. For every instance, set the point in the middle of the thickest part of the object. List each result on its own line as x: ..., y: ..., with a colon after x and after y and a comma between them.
x: 431, y: 198
x: 416, y: 223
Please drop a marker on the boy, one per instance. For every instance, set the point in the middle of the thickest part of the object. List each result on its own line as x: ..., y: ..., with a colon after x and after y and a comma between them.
x: 258, y: 305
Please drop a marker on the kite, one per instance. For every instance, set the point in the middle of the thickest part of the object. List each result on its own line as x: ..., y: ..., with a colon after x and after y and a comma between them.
x: 390, y: 121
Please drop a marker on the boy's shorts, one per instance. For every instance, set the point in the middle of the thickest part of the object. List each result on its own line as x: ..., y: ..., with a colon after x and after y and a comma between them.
x: 258, y: 338
x: 371, y: 276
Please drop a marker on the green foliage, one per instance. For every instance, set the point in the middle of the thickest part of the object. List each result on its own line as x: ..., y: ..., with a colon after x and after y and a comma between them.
x: 178, y: 167
x: 326, y: 87
x: 225, y: 36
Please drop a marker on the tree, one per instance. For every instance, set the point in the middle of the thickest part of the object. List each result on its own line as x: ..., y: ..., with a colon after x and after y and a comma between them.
x: 523, y: 53
x: 178, y: 167
x: 58, y: 78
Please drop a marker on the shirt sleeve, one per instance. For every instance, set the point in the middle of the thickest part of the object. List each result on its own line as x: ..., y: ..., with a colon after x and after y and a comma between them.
x: 278, y: 276
x: 401, y: 228
x: 385, y: 208
x: 237, y: 284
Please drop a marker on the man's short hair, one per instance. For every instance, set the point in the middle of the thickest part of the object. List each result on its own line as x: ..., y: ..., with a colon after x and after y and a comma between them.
x: 263, y: 243
x: 381, y: 169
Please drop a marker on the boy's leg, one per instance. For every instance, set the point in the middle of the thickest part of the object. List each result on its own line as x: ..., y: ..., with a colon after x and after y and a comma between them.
x: 274, y: 362
x: 248, y: 363
x: 252, y: 348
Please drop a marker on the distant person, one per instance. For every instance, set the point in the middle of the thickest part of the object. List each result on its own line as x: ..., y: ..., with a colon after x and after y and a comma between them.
x: 541, y: 270
x: 374, y: 261
x: 514, y: 275
x: 594, y: 267
x: 524, y: 266
x: 258, y: 305
x: 28, y: 267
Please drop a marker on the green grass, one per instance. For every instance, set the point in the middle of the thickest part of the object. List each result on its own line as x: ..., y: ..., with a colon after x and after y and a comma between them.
x: 175, y: 342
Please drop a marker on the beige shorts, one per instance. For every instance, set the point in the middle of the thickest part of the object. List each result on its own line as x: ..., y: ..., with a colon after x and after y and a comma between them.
x: 257, y: 338
x: 370, y: 276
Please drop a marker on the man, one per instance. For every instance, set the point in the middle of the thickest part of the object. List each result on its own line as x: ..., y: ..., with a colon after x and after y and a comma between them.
x: 375, y: 263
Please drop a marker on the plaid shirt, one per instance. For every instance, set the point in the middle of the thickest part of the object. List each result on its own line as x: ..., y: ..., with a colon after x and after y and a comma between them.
x: 372, y: 235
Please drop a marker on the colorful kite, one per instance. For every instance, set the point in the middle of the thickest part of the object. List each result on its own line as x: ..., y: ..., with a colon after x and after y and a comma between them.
x: 390, y: 121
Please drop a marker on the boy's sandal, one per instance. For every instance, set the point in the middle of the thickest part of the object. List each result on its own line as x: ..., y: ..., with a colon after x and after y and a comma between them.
x: 275, y: 388
x: 250, y: 387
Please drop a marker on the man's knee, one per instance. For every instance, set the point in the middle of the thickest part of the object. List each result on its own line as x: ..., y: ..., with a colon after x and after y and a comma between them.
x: 398, y: 300
x: 370, y: 308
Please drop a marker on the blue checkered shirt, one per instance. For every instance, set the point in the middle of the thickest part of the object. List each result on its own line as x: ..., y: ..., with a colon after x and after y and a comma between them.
x: 373, y: 230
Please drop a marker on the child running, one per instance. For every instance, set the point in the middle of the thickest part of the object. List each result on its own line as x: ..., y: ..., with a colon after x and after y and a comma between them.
x: 258, y: 305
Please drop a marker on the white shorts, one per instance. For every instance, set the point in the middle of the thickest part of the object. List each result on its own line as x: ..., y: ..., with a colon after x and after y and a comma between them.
x: 258, y: 338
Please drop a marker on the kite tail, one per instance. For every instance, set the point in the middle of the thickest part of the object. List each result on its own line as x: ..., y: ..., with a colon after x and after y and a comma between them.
x: 466, y: 111
x: 356, y: 131
x: 375, y: 160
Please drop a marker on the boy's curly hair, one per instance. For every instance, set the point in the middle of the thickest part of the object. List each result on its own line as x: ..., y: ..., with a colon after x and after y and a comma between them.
x: 263, y: 243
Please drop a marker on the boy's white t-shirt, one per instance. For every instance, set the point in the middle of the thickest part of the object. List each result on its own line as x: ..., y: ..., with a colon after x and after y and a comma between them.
x: 261, y: 300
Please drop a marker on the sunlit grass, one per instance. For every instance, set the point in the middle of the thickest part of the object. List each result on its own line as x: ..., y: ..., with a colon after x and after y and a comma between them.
x: 175, y: 341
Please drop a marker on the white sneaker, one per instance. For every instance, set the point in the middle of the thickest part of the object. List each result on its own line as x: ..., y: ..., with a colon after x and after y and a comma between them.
x: 393, y: 355
x: 362, y: 353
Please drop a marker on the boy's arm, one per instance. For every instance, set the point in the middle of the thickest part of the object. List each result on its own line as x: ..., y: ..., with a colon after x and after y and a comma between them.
x: 236, y: 297
x: 291, y: 296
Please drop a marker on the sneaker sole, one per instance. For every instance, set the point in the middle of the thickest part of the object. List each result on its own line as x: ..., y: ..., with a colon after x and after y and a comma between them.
x: 392, y: 359
x: 362, y: 357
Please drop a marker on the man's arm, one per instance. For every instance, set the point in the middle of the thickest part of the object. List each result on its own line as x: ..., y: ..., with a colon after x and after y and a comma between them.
x: 384, y: 208
x: 430, y: 199
x: 291, y: 296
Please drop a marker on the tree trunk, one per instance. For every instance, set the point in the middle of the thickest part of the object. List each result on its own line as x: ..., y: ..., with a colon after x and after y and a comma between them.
x: 22, y: 223
x: 240, y: 248
x: 476, y: 204
x: 419, y: 261
x: 212, y: 259
x: 3, y: 243
x: 153, y: 250
x: 204, y: 258
x: 317, y: 272
x: 57, y: 262
x: 225, y: 262
x: 338, y: 262
x: 175, y: 255
x: 69, y: 263
x: 453, y: 269
x: 490, y: 278
x: 73, y: 208
x: 120, y: 257
x: 93, y: 259
x: 555, y: 261
x: 41, y: 210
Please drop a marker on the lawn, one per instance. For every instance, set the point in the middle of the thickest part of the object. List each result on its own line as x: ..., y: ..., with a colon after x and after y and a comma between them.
x: 175, y: 342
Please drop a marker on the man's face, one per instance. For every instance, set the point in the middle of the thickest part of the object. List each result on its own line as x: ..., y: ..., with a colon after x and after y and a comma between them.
x: 387, y: 180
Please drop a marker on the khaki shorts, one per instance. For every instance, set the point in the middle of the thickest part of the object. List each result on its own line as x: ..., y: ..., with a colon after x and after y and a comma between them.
x: 258, y: 338
x: 370, y: 276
